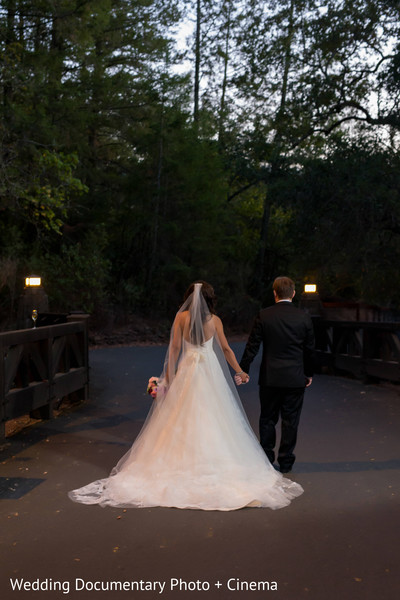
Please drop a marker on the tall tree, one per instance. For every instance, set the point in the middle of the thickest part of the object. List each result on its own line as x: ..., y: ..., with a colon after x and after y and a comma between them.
x: 306, y: 69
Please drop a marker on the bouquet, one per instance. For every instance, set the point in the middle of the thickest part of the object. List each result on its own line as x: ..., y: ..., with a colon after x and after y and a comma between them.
x: 152, y: 387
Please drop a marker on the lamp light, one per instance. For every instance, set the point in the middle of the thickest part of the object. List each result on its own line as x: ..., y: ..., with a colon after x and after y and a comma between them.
x: 33, y: 281
x: 310, y: 288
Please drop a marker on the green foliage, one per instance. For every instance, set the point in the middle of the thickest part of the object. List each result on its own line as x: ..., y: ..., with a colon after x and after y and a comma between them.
x: 77, y: 277
x: 119, y: 188
x: 50, y: 193
x: 348, y: 223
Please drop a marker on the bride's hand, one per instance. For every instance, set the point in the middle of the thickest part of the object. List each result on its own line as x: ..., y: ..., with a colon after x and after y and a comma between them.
x: 241, y: 377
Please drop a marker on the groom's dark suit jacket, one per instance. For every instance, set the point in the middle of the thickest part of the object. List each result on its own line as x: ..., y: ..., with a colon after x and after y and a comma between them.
x: 287, y: 335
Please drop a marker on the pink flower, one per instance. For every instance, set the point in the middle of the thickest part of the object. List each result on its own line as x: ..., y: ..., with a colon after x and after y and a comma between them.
x: 152, y: 387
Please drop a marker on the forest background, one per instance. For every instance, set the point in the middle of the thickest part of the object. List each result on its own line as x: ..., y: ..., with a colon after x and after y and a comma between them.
x: 134, y: 161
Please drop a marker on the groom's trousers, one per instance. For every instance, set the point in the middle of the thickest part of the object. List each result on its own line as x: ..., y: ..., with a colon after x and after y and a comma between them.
x: 285, y: 403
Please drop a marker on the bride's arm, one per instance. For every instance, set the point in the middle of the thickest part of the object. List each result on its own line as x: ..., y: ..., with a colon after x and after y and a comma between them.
x: 228, y: 352
x: 176, y: 342
x: 175, y: 346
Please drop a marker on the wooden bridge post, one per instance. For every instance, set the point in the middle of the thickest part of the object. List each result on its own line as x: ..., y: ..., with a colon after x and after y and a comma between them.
x: 39, y: 366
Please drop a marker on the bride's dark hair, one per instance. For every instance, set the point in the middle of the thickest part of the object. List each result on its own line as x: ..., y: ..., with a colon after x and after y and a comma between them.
x: 207, y: 291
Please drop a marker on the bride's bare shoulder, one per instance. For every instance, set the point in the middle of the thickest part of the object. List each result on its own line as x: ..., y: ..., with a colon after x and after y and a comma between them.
x: 216, y: 321
x: 182, y: 316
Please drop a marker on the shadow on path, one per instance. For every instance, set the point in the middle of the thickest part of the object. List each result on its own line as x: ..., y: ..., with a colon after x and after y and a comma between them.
x: 346, y: 467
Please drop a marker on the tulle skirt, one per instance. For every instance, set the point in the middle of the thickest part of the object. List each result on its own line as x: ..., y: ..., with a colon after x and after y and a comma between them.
x: 196, y: 450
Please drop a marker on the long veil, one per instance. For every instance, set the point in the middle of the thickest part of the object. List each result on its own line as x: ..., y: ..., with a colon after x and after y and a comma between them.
x: 192, y: 327
x: 196, y: 328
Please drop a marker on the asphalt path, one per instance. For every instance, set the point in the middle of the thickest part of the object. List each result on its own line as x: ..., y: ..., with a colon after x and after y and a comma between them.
x: 338, y: 541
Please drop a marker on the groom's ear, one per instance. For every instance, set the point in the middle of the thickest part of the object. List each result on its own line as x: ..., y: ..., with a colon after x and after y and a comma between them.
x: 294, y: 293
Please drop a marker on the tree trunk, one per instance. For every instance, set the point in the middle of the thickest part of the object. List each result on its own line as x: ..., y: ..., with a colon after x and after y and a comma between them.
x: 197, y: 65
x: 221, y: 126
x: 10, y: 39
x: 57, y: 50
x: 155, y: 218
x: 259, y: 282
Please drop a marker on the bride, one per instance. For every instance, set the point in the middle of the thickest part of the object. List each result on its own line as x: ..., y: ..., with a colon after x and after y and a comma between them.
x: 196, y: 449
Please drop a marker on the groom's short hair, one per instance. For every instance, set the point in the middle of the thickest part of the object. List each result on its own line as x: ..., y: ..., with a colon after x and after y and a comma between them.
x: 283, y: 287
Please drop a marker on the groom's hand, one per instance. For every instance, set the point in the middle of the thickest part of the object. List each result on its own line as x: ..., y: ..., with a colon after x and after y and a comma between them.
x: 308, y: 381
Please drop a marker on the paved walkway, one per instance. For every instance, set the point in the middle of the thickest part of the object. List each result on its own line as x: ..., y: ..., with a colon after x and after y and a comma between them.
x: 338, y: 541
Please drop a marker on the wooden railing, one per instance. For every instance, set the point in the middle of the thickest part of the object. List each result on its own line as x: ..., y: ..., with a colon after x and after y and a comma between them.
x: 364, y: 349
x: 39, y: 366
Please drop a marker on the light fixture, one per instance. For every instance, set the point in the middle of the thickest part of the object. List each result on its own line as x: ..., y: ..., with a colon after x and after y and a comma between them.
x: 33, y: 281
x: 310, y: 288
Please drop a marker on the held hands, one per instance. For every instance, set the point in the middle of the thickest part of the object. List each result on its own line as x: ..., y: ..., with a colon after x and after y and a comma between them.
x: 241, y: 377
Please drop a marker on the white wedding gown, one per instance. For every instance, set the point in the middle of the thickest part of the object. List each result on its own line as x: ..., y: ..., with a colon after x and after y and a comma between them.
x: 196, y: 450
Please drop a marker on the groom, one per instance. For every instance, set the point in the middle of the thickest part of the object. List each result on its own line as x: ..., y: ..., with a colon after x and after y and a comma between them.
x: 287, y: 336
